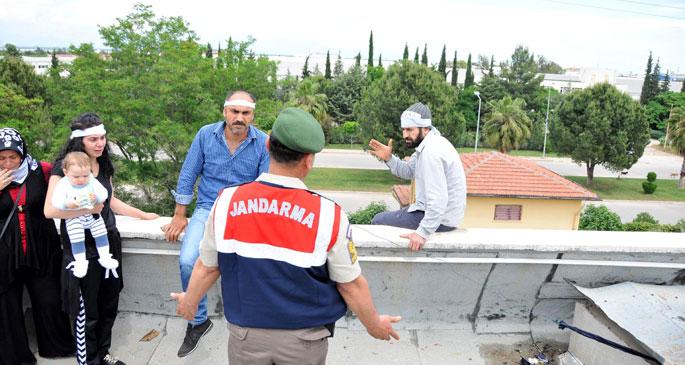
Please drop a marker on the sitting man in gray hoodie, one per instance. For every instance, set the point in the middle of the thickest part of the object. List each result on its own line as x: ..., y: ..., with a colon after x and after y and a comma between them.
x: 439, y: 175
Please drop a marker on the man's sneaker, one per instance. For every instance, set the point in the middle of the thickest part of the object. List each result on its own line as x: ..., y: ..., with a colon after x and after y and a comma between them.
x: 193, y: 335
x: 111, y: 360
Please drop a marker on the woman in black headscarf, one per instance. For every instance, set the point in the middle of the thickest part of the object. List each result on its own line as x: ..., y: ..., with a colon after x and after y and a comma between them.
x: 30, y: 257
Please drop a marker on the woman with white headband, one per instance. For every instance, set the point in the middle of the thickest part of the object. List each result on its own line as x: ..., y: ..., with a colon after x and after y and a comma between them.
x: 92, y: 300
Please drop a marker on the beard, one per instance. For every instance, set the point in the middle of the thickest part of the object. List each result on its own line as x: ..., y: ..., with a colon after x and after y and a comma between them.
x: 413, y: 143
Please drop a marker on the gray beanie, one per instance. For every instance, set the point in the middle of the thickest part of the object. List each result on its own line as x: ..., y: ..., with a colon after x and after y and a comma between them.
x: 417, y: 115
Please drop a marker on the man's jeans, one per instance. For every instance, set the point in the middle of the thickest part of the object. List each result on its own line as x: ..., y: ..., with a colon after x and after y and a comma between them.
x: 190, y: 251
x: 404, y: 219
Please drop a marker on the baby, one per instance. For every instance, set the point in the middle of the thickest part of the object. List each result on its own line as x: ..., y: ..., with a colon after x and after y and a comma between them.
x: 78, y: 189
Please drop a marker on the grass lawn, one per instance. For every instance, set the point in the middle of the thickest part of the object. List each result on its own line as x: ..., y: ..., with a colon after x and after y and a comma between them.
x: 352, y: 180
x: 345, y: 146
x: 631, y: 189
x: 381, y: 181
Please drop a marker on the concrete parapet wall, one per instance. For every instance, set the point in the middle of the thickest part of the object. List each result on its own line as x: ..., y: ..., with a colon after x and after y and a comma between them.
x: 485, y: 280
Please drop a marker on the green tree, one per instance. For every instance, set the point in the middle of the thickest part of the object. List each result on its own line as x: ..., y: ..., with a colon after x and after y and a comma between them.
x: 507, y: 125
x: 403, y: 84
x: 358, y: 60
x: 455, y: 71
x: 338, y: 69
x: 380, y: 60
x: 424, y: 56
x: 666, y: 84
x: 521, y: 79
x: 310, y: 98
x: 344, y: 93
x: 210, y: 53
x: 646, y: 94
x: 31, y: 118
x: 327, y: 73
x: 11, y: 50
x: 305, y: 69
x: 416, y: 55
x: 601, y: 126
x: 405, y: 54
x: 654, y: 80
x: 468, y: 79
x: 675, y: 138
x: 370, y: 60
x: 54, y: 62
x: 548, y: 67
x: 442, y: 65
x: 20, y: 76
x: 682, y: 87
x: 659, y: 108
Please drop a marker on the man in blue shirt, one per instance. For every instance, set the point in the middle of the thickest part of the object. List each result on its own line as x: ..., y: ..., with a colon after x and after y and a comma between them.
x: 223, y: 154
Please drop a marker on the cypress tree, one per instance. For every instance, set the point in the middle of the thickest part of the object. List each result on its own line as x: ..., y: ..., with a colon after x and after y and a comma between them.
x: 666, y: 84
x: 380, y: 61
x: 327, y: 73
x: 442, y: 66
x: 424, y: 57
x: 645, y: 94
x: 455, y: 72
x: 405, y: 55
x: 338, y: 69
x: 305, y: 69
x: 682, y: 87
x: 468, y: 79
x: 370, y: 63
x: 209, y: 53
x: 358, y: 60
x: 416, y: 55
x: 491, y: 70
x: 654, y: 81
x: 54, y: 62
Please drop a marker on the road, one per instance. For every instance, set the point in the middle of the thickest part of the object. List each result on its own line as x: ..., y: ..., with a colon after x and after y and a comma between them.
x: 666, y: 166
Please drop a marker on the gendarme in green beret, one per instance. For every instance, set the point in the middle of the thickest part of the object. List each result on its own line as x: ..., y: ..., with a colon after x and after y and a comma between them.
x: 298, y: 130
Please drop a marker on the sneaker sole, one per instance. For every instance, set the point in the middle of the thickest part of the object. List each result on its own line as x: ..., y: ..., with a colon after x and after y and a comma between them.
x: 211, y: 325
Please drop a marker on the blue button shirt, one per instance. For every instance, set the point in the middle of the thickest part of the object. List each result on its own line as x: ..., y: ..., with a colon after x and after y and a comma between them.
x: 209, y: 159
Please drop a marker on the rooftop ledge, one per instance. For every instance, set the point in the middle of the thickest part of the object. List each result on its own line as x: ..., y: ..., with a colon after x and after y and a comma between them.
x: 486, y: 239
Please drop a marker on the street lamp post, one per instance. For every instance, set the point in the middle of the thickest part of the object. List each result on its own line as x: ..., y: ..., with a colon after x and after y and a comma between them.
x: 477, y: 94
x: 544, y: 143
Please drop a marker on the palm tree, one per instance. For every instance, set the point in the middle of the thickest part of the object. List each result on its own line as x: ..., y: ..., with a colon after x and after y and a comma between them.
x: 308, y: 97
x: 675, y: 138
x: 506, y: 125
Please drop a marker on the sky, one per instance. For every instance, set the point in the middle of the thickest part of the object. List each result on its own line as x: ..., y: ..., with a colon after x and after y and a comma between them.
x: 613, y: 34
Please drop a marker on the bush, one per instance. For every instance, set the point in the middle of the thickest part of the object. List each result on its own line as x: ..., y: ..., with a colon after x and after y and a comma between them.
x: 599, y: 218
x: 651, y: 176
x: 641, y: 227
x: 365, y: 215
x: 645, y: 217
x: 656, y: 134
x: 648, y: 187
x: 681, y: 225
x: 674, y: 228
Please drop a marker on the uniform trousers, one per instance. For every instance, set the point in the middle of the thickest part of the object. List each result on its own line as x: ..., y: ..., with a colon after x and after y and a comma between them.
x: 264, y: 346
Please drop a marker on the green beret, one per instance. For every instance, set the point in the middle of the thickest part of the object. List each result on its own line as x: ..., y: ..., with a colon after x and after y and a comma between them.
x: 298, y: 130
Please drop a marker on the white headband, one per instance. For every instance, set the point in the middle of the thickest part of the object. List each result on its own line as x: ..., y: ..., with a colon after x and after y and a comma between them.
x: 244, y: 103
x: 410, y: 119
x: 98, y: 130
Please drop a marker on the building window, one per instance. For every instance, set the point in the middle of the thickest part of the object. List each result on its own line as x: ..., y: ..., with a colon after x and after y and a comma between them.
x: 507, y: 212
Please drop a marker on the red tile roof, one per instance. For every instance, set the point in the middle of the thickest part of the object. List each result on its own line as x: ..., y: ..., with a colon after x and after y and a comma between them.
x: 497, y: 174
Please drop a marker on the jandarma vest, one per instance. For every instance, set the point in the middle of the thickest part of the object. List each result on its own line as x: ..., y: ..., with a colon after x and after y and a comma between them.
x: 272, y: 244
